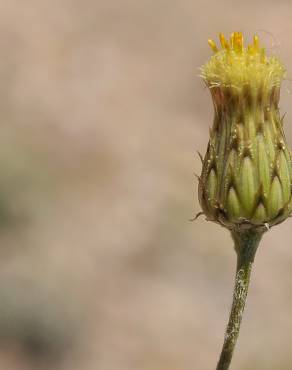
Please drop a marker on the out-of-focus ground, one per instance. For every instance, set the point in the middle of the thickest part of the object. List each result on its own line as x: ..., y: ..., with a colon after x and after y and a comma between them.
x: 101, y: 114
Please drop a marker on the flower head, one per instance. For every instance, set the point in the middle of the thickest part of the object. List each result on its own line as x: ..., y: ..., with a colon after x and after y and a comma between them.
x: 247, y: 173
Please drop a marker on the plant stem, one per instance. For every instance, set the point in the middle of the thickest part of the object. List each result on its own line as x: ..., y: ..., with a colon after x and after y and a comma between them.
x: 246, y: 244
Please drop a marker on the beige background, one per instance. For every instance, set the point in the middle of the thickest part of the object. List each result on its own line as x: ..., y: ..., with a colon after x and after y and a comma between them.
x: 101, y: 112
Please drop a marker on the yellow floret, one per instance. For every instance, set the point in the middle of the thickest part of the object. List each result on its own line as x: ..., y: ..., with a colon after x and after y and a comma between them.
x: 236, y: 65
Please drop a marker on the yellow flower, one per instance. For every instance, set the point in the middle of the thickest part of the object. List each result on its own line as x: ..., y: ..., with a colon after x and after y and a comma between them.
x: 235, y: 65
x: 246, y: 175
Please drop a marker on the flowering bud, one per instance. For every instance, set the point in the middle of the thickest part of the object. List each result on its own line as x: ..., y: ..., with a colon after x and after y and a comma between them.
x: 247, y: 172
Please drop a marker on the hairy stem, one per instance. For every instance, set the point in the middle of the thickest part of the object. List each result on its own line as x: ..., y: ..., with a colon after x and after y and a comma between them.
x: 246, y: 244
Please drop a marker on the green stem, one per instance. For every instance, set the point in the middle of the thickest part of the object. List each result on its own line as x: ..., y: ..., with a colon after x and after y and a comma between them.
x: 246, y: 244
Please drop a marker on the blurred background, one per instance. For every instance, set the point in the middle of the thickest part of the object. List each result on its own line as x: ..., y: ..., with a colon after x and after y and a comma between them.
x: 101, y: 114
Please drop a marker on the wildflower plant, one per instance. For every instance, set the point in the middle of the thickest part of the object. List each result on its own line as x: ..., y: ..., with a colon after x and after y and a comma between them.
x: 245, y: 184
